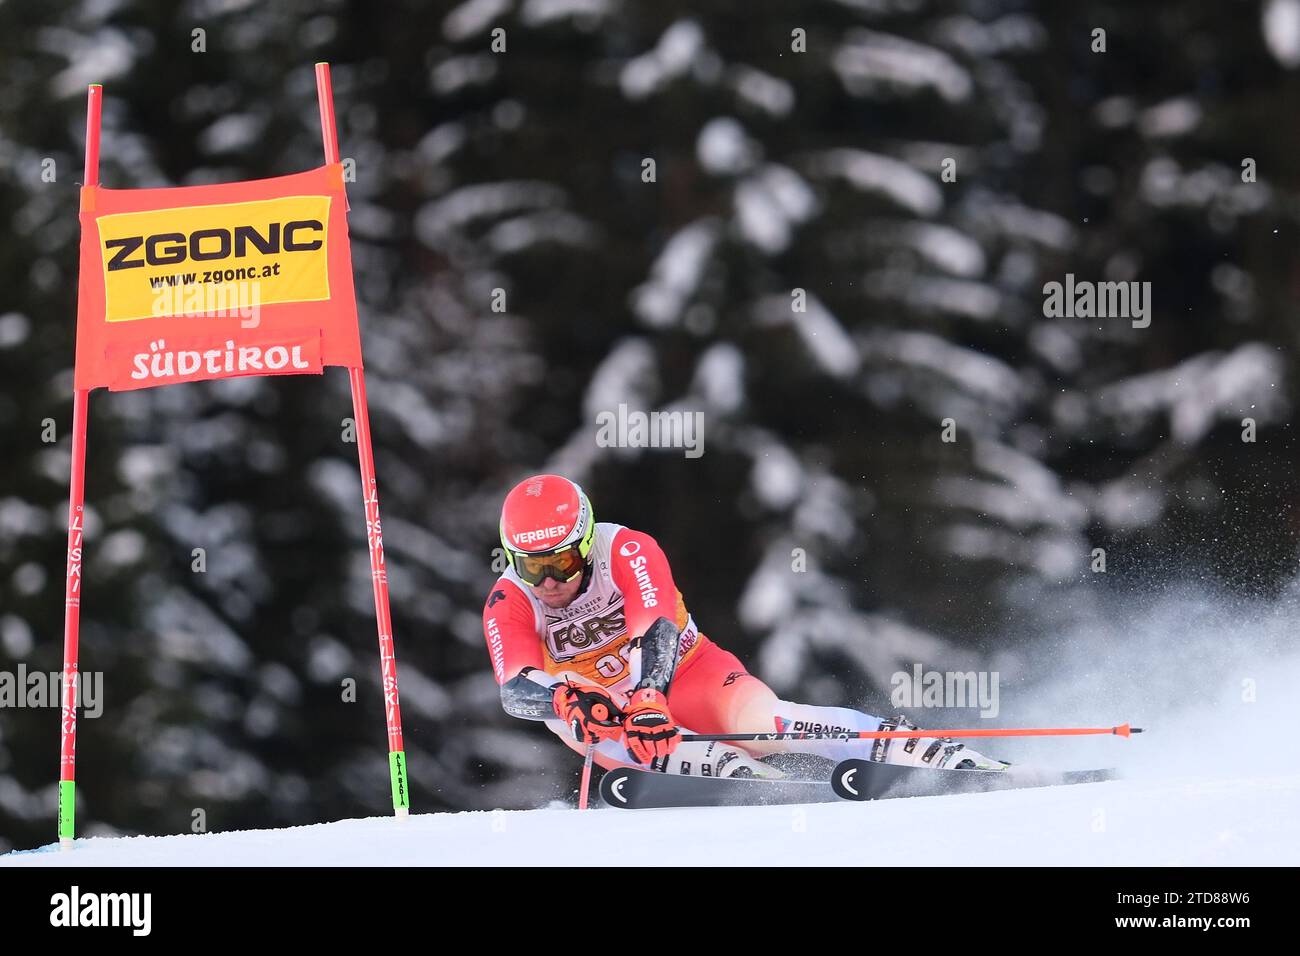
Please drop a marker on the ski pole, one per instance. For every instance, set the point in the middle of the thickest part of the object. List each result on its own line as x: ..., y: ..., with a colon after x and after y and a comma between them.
x: 1123, y: 730
x: 586, y: 775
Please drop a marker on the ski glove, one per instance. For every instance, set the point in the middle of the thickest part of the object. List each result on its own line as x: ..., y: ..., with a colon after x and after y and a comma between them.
x: 589, y: 711
x: 650, y: 728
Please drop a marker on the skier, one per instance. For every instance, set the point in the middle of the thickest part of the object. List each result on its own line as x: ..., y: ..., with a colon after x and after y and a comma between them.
x: 588, y: 632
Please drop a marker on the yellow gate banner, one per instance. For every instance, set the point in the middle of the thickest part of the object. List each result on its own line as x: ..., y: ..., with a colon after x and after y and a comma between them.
x: 201, y: 282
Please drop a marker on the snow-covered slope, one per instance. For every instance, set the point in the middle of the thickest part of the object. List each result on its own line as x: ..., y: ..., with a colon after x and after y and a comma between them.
x: 1215, y: 779
x: 1201, y: 820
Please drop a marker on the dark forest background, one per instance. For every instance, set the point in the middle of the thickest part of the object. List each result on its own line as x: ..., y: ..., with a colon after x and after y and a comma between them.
x: 776, y: 170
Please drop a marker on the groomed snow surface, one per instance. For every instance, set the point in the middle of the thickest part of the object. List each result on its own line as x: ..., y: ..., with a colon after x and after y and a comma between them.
x: 1175, y: 822
x: 1214, y: 780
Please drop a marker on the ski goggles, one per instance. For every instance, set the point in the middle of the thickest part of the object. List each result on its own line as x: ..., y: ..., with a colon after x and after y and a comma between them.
x: 563, y: 565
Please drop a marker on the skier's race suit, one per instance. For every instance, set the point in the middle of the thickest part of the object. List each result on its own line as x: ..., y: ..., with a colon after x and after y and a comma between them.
x: 592, y: 642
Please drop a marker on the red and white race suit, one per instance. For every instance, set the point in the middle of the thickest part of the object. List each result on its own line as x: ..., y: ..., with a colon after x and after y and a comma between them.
x: 591, y: 641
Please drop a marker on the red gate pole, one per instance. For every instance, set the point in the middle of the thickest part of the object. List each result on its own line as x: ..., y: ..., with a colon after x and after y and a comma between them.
x: 370, y: 495
x: 76, y: 533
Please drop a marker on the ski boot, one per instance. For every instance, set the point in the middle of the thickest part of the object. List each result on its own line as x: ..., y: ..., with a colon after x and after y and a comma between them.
x: 937, y: 753
x: 713, y: 758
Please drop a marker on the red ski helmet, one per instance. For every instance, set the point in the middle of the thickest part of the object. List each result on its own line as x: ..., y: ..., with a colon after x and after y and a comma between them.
x: 547, y: 529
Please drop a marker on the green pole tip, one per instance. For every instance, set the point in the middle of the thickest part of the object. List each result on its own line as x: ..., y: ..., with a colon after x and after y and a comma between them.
x: 96, y: 86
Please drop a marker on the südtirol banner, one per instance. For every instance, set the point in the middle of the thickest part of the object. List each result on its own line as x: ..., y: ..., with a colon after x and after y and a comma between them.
x: 203, y: 282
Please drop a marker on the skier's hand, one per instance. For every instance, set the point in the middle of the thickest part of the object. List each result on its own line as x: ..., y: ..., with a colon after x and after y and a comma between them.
x: 649, y: 726
x: 589, y: 711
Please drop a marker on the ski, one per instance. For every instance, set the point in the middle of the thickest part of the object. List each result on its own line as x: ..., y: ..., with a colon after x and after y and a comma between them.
x: 631, y: 789
x: 855, y: 780
x: 858, y: 779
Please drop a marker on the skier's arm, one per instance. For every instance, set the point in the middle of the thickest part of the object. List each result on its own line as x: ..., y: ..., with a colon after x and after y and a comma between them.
x: 653, y: 607
x: 530, y: 695
x: 640, y: 570
x: 510, y: 626
x: 510, y: 629
x: 654, y: 615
